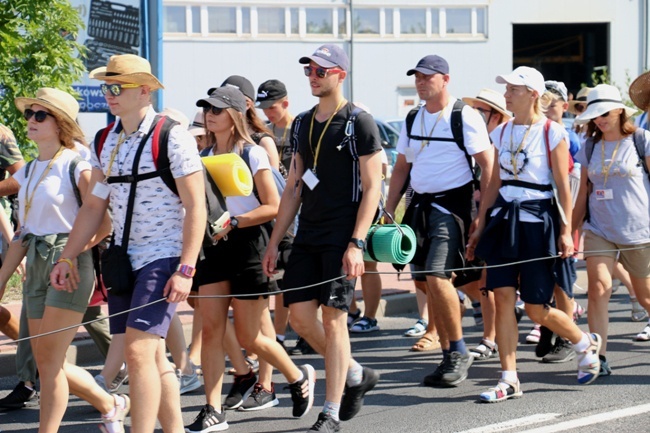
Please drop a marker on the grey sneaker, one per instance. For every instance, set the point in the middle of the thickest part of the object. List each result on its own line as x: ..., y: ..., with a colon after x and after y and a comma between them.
x: 260, y: 399
x: 605, y: 370
x: 121, y: 378
x: 455, y: 370
x: 562, y: 352
x: 326, y: 424
x: 188, y: 382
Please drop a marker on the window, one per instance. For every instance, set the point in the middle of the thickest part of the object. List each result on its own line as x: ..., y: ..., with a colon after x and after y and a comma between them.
x: 174, y: 19
x: 480, y: 21
x: 196, y: 19
x: 366, y: 21
x: 413, y: 21
x: 319, y: 21
x: 435, y: 21
x: 459, y: 21
x: 270, y: 20
x: 222, y: 20
x: 246, y: 21
x: 343, y: 28
x: 388, y: 26
x: 295, y: 21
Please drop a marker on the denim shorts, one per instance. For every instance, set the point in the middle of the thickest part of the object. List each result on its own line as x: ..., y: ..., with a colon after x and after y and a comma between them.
x: 150, y: 281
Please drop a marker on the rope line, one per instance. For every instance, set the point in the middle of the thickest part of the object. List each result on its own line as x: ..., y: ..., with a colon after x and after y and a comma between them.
x: 293, y: 289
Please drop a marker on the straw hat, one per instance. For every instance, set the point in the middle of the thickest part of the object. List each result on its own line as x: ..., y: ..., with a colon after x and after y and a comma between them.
x: 640, y: 91
x: 197, y: 127
x: 492, y: 98
x: 62, y: 104
x: 128, y: 69
x: 581, y: 98
x: 602, y: 99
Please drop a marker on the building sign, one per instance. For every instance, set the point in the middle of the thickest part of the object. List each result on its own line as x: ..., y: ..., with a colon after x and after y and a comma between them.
x: 111, y: 28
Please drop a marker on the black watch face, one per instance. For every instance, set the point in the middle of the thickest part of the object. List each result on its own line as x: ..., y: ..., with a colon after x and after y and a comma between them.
x: 359, y: 243
x: 234, y: 222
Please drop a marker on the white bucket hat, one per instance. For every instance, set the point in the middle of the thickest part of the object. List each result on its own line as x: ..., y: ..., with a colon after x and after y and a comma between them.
x: 492, y: 98
x: 602, y: 99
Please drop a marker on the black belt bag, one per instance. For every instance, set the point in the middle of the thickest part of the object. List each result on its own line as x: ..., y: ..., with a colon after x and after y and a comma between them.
x: 117, y: 272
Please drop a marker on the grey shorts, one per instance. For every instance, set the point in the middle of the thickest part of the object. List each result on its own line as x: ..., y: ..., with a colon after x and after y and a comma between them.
x: 446, y: 242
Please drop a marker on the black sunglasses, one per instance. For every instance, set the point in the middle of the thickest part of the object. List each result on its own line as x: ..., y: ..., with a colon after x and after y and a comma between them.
x: 116, y: 89
x: 320, y: 72
x: 39, y: 116
x: 215, y: 110
x: 605, y: 114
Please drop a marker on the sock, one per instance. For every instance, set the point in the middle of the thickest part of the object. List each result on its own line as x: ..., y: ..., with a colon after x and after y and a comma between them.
x: 602, y: 358
x: 582, y: 345
x: 279, y: 337
x: 28, y: 387
x: 458, y: 346
x: 445, y: 353
x: 302, y: 376
x: 332, y: 409
x: 510, y: 376
x: 488, y: 343
x: 355, y: 374
x: 119, y: 401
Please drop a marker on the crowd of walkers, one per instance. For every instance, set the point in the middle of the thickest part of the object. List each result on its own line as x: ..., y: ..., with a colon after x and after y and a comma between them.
x: 495, y: 185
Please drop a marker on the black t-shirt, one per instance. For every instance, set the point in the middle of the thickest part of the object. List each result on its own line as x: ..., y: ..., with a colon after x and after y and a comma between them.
x: 331, y: 205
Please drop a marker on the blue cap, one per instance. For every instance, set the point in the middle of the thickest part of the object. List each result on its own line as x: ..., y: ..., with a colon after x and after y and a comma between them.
x: 430, y: 65
x: 328, y: 56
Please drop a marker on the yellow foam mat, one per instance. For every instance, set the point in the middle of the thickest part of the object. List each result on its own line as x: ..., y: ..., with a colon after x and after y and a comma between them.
x: 230, y: 173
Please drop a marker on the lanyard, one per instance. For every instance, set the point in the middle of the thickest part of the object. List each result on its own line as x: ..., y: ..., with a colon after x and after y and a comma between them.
x: 605, y: 170
x: 320, y: 139
x: 29, y: 198
x: 423, y: 130
x: 519, y: 148
x: 121, y: 138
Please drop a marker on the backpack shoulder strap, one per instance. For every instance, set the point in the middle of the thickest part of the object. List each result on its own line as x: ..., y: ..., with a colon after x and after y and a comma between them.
x: 410, y: 119
x: 639, y: 139
x: 71, y: 169
x: 100, y: 138
x: 456, y: 120
x: 589, y: 148
x: 547, y: 127
x: 295, y: 130
x: 160, y: 150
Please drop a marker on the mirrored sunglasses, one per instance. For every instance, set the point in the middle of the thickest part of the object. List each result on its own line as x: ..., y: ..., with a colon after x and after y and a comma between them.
x: 116, y: 89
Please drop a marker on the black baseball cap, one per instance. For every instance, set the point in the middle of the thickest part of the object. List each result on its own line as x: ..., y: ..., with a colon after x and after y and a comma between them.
x: 430, y: 65
x: 269, y: 92
x: 328, y: 56
x: 224, y: 97
x: 240, y: 83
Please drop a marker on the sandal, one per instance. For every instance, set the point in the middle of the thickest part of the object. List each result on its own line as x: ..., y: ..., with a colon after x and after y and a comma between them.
x: 643, y: 335
x: 483, y: 351
x: 425, y: 344
x: 417, y: 330
x: 502, y: 392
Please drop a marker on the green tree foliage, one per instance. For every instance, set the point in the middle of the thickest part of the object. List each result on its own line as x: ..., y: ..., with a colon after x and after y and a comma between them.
x: 38, y: 48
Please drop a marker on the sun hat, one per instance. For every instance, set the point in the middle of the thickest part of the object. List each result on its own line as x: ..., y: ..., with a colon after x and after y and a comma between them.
x: 240, y: 83
x: 224, y: 97
x: 640, y: 91
x: 557, y: 88
x: 603, y: 99
x: 581, y: 98
x: 328, y: 56
x: 429, y: 65
x: 197, y: 127
x: 176, y: 115
x: 524, y: 76
x: 492, y: 98
x: 127, y: 69
x: 269, y: 92
x: 62, y: 104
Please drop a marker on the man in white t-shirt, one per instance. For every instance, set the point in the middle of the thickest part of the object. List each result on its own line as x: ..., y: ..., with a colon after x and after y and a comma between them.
x: 164, y: 240
x: 441, y: 176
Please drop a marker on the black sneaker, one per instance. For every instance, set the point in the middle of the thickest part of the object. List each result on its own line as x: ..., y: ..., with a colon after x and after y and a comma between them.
x: 455, y: 370
x: 302, y: 392
x: 353, y: 395
x: 20, y: 397
x: 326, y: 424
x: 208, y: 420
x: 301, y: 348
x: 562, y: 352
x: 545, y: 344
x: 433, y: 379
x: 241, y: 389
x: 260, y: 399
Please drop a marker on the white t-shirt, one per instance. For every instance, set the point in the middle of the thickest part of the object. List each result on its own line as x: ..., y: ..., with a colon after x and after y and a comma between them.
x: 441, y: 165
x: 531, y: 163
x: 238, y: 205
x: 54, y: 204
x: 157, y: 222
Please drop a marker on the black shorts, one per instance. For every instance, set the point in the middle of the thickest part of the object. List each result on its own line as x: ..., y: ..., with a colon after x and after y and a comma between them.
x: 238, y: 260
x: 309, y: 265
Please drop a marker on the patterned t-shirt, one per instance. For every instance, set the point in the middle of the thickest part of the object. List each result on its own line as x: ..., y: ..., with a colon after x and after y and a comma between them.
x: 157, y: 222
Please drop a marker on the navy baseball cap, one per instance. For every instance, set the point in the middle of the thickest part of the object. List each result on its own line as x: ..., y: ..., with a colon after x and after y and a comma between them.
x: 328, y: 56
x: 430, y: 65
x: 224, y: 97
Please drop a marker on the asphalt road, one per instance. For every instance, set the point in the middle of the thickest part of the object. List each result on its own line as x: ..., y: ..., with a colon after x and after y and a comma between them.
x: 552, y: 400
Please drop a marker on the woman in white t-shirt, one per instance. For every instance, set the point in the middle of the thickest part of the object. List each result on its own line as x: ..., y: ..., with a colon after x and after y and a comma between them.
x: 48, y: 208
x: 523, y: 223
x: 232, y: 269
x: 615, y: 194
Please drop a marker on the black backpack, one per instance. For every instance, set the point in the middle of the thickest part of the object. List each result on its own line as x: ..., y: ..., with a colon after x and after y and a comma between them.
x: 161, y: 126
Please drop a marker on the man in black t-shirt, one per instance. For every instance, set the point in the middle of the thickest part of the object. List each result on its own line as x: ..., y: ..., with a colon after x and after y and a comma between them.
x: 328, y: 174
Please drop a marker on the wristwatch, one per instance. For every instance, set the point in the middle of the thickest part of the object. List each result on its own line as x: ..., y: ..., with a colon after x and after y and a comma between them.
x: 186, y: 270
x: 234, y: 222
x: 359, y: 243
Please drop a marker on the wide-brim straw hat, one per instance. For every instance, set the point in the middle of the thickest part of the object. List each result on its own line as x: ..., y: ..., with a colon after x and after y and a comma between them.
x: 640, y: 91
x: 61, y: 104
x: 492, y: 98
x: 127, y: 69
x: 603, y: 99
x: 581, y: 98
